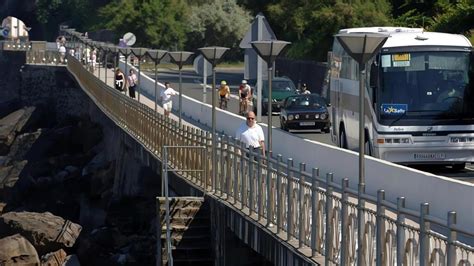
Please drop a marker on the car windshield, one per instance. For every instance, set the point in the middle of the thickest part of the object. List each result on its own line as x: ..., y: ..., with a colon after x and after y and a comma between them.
x: 307, y: 101
x: 281, y: 85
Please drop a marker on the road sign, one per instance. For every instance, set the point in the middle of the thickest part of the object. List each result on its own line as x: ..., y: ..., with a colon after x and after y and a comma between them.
x: 129, y: 38
x: 259, y: 30
x: 199, y: 64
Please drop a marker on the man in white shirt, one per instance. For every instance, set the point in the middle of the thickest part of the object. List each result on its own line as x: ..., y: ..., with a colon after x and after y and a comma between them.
x: 251, y: 133
x: 166, y: 98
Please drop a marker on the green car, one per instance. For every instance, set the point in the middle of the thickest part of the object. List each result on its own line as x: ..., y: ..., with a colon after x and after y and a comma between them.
x: 281, y: 88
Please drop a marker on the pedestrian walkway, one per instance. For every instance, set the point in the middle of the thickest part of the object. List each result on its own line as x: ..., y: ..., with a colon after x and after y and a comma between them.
x: 143, y: 98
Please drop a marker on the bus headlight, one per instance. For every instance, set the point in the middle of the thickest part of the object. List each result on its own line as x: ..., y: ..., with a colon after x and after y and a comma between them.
x: 461, y: 139
x: 291, y: 117
x: 393, y: 141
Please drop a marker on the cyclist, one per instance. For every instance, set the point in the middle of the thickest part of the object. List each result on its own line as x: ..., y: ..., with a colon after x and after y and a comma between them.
x: 224, y: 95
x: 245, y: 93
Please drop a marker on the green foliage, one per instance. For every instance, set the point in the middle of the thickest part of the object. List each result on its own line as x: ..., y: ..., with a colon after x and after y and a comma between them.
x: 156, y: 23
x: 220, y: 23
x: 455, y: 18
x: 311, y: 24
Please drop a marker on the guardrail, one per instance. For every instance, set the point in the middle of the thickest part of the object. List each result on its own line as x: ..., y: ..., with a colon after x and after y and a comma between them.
x: 345, y: 225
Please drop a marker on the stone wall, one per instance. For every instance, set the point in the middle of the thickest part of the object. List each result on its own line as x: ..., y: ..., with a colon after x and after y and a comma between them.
x: 10, y: 66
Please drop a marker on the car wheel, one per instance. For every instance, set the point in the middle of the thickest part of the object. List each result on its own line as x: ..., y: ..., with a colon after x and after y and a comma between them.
x: 283, y: 125
x: 342, y: 139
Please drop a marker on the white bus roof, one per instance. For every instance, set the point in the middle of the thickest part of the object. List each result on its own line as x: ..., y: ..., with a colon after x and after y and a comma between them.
x: 401, y: 37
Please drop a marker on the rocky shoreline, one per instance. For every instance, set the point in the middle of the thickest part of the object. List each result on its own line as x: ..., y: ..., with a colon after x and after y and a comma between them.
x: 57, y: 203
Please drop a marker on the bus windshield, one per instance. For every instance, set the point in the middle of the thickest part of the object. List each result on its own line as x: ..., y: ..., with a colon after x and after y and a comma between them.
x: 421, y: 88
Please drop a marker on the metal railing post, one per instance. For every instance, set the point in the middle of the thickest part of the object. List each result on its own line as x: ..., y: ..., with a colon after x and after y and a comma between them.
x: 314, y: 211
x: 250, y: 180
x: 279, y: 191
x: 424, y: 237
x: 259, y: 189
x: 301, y: 213
x: 329, y: 210
x: 379, y: 239
x: 236, y: 171
x: 167, y: 207
x: 344, y: 221
x: 452, y: 237
x: 289, y: 188
x: 270, y: 197
x: 360, y: 224
x: 400, y: 230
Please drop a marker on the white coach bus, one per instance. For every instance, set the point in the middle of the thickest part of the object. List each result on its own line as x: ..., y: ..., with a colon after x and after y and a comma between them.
x: 419, y: 105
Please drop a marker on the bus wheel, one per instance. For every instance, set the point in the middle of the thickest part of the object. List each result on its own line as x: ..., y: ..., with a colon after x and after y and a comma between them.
x: 459, y: 166
x: 342, y: 139
x: 367, y: 148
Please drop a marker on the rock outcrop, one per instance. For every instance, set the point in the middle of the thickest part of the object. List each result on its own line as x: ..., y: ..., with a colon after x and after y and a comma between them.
x: 45, y: 231
x: 17, y: 250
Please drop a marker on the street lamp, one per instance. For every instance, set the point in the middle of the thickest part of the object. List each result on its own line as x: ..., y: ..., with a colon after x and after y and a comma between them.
x: 115, y: 52
x: 138, y: 52
x: 269, y: 50
x: 213, y: 54
x: 156, y: 56
x: 361, y: 47
x: 179, y: 57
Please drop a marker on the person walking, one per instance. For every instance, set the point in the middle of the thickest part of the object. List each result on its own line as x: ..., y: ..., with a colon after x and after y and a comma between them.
x: 119, y: 80
x: 93, y: 60
x: 132, y: 83
x: 224, y: 95
x: 166, y: 98
x: 251, y: 133
x: 62, y: 54
x: 244, y: 92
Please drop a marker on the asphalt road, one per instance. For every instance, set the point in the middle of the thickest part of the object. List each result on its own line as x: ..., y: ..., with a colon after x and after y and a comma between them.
x: 192, y: 86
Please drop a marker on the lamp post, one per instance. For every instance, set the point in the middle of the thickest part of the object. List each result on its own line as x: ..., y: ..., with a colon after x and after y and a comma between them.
x: 115, y: 52
x: 213, y: 54
x: 179, y: 57
x: 269, y: 50
x: 361, y: 47
x: 138, y: 52
x: 156, y: 56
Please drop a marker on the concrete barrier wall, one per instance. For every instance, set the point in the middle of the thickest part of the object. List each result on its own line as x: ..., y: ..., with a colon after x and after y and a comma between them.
x: 441, y: 193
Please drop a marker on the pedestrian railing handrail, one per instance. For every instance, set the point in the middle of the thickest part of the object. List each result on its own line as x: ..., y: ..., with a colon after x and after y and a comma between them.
x: 321, y: 215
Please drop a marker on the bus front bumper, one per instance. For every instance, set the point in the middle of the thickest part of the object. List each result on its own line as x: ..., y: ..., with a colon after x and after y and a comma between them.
x: 411, y: 154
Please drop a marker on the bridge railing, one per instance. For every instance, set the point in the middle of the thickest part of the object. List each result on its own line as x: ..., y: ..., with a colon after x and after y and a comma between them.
x: 307, y: 210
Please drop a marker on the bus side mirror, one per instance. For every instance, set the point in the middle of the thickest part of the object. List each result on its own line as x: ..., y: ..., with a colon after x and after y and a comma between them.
x: 374, y: 76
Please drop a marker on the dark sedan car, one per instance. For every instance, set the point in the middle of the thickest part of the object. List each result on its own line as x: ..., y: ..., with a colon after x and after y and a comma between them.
x: 305, y: 111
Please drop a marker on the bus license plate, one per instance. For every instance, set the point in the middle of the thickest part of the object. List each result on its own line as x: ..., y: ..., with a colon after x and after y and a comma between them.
x: 307, y: 123
x: 430, y: 155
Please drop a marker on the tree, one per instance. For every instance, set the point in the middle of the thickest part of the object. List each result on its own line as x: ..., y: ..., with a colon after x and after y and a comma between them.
x: 311, y: 24
x: 221, y: 23
x: 156, y: 23
x: 51, y: 13
x: 455, y: 18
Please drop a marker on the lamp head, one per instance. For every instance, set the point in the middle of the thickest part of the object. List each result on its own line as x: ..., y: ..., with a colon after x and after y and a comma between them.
x: 362, y: 46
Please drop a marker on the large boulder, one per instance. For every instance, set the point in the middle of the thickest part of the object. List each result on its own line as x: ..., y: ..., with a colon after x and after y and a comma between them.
x: 9, y: 177
x: 45, y: 231
x: 22, y: 145
x: 17, y: 250
x: 56, y: 258
x: 8, y: 126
